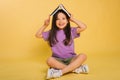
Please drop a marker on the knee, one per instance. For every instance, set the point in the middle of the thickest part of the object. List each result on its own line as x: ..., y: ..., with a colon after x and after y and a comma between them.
x: 49, y: 61
x: 83, y: 56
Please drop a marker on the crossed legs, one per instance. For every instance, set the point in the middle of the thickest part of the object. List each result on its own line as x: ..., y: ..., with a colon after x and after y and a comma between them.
x: 75, y: 63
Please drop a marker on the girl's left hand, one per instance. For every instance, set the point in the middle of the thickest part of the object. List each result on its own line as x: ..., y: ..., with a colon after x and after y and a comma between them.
x: 71, y: 18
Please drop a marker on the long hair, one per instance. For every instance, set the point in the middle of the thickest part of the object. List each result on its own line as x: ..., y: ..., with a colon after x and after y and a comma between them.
x: 67, y: 30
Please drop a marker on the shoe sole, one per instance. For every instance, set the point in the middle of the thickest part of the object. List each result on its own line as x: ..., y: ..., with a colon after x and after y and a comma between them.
x: 48, y: 74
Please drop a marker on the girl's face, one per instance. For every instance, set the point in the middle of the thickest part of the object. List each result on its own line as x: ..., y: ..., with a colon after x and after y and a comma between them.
x: 61, y: 21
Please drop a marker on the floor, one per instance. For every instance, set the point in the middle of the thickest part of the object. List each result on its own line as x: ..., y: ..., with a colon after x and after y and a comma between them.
x: 101, y: 68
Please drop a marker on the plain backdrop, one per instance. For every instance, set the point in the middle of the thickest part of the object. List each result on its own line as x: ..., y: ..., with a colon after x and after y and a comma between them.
x: 20, y: 20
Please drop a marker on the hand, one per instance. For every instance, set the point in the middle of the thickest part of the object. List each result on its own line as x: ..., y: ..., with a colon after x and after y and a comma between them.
x: 47, y: 21
x: 71, y: 18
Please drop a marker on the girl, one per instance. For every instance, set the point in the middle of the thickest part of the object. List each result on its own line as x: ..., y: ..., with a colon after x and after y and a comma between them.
x: 61, y: 40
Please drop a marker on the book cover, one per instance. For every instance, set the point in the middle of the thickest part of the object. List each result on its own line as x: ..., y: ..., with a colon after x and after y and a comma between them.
x: 58, y: 8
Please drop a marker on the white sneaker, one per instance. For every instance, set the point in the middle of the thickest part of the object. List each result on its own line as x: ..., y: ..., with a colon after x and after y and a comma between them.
x: 49, y: 74
x: 53, y: 73
x: 82, y: 69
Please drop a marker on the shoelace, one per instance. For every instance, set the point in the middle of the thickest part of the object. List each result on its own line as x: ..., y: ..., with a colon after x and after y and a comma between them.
x: 54, y: 73
x: 84, y: 69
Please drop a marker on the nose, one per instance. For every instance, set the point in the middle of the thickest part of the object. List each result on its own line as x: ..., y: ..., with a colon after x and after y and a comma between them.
x: 60, y: 21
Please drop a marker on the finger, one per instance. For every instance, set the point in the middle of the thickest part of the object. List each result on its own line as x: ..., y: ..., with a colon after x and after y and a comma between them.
x: 71, y: 15
x: 48, y: 17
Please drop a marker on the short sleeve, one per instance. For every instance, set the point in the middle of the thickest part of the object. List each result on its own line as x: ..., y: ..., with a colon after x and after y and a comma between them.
x: 74, y: 33
x: 45, y: 35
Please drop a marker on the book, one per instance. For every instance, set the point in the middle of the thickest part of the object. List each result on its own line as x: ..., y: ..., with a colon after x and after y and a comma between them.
x: 60, y: 7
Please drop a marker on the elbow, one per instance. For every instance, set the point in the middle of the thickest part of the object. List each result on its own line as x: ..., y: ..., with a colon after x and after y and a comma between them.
x: 85, y: 26
x: 82, y: 28
x: 38, y: 35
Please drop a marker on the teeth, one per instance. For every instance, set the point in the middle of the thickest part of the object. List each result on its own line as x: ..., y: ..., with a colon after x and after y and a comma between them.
x: 61, y: 24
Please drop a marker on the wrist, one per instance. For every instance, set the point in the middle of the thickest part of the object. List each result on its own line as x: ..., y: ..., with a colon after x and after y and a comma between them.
x: 73, y: 19
x: 45, y: 25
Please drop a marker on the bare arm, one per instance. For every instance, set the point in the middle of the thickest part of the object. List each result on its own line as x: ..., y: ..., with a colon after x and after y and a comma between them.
x: 81, y: 26
x: 39, y: 32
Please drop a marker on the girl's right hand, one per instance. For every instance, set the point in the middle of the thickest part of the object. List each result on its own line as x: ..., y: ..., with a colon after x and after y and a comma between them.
x: 47, y: 21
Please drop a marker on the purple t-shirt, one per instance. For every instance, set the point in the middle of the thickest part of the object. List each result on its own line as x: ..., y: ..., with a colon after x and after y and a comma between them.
x: 60, y: 50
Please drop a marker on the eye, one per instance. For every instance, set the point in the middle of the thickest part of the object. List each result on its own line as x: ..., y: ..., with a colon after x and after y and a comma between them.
x: 57, y: 18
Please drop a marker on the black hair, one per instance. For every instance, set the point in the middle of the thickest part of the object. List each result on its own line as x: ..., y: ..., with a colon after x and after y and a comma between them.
x: 67, y: 30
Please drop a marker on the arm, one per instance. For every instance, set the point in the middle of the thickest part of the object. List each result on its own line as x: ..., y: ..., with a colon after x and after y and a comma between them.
x: 81, y: 26
x: 39, y: 32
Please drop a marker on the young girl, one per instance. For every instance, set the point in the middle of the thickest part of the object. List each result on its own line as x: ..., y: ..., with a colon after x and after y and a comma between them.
x: 61, y: 40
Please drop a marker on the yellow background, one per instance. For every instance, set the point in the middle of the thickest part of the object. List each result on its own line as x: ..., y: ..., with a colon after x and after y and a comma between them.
x: 22, y: 55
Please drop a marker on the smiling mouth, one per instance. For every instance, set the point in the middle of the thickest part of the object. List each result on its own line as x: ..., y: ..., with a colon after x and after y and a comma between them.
x: 61, y: 24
